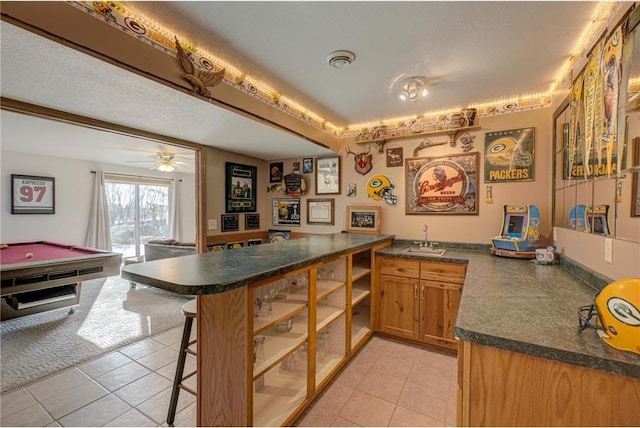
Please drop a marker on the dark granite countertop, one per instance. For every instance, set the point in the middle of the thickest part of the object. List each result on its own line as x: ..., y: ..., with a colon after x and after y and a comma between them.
x: 221, y: 271
x: 520, y: 306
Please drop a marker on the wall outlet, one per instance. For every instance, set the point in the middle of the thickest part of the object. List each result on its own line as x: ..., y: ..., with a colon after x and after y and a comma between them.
x: 608, y: 250
x: 213, y: 223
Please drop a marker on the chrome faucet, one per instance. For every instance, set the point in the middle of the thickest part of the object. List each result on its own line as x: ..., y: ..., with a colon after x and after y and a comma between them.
x: 425, y: 229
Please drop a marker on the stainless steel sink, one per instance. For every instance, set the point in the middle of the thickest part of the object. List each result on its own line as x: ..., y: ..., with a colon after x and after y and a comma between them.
x: 428, y: 251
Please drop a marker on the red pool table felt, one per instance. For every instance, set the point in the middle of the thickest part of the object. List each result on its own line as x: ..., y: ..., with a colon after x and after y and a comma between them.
x: 42, y: 251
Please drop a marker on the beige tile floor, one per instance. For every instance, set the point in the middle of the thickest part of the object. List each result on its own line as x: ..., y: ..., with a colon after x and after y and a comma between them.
x: 388, y: 383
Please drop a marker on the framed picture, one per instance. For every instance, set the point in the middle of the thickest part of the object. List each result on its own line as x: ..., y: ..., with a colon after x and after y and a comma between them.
x: 442, y: 185
x: 241, y: 184
x: 230, y: 222
x: 394, y: 157
x: 509, y: 155
x: 320, y: 211
x: 251, y: 221
x: 635, y: 179
x: 286, y: 212
x: 31, y: 194
x: 307, y: 165
x: 275, y: 172
x: 363, y: 219
x: 328, y: 175
x: 252, y: 242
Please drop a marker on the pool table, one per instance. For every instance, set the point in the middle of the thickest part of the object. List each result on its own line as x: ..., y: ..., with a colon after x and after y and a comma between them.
x: 40, y: 276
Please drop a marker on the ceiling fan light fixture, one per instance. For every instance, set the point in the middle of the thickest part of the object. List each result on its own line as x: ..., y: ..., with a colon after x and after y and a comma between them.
x: 412, y: 88
x: 166, y: 162
x: 166, y: 166
x: 341, y: 59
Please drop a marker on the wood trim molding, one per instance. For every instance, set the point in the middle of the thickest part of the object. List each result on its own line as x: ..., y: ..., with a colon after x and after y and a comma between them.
x: 10, y: 104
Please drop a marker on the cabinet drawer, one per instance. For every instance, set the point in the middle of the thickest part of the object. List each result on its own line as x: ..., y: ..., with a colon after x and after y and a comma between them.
x: 400, y: 267
x: 443, y: 271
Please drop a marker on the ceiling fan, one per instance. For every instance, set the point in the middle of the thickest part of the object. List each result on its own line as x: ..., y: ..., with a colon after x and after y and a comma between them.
x: 166, y: 162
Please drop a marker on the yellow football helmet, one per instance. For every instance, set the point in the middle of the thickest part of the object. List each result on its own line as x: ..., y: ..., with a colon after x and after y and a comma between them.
x: 381, y: 188
x: 617, y: 312
x: 505, y: 151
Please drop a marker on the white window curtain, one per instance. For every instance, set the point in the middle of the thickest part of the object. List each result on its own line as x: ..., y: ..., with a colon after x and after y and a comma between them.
x: 174, y: 214
x: 99, y: 230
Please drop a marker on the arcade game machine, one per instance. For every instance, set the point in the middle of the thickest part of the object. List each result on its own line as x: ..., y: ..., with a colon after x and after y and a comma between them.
x: 590, y: 218
x: 520, y: 233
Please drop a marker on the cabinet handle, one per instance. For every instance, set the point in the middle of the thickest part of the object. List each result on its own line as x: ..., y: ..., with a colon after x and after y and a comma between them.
x: 422, y: 292
x: 415, y: 291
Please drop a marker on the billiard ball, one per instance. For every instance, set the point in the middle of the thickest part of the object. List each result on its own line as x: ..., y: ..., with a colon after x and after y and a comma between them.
x: 29, y: 255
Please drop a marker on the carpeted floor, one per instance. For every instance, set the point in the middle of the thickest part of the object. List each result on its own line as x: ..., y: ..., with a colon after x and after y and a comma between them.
x: 111, y: 314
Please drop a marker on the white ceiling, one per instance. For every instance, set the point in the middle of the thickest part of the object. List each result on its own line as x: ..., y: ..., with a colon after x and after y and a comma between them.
x: 473, y: 52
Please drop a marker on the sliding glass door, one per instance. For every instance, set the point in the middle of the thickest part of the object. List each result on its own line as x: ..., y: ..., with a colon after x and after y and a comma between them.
x: 139, y: 210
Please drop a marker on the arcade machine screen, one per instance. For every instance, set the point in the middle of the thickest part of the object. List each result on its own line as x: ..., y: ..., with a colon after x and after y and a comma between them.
x: 515, y: 226
x: 599, y: 224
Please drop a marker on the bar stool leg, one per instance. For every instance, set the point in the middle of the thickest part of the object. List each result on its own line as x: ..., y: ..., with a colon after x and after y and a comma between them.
x: 177, y: 380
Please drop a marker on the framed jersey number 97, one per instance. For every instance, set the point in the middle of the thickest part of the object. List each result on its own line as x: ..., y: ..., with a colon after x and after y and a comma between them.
x: 32, y: 194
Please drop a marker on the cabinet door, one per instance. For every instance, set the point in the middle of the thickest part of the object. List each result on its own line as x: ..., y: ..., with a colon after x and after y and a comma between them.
x: 398, y: 306
x: 439, y: 303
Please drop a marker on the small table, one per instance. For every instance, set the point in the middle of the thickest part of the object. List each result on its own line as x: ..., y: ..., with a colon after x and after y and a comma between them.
x: 51, y: 277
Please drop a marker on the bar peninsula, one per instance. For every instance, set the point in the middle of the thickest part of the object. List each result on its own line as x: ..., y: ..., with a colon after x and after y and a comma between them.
x: 233, y: 390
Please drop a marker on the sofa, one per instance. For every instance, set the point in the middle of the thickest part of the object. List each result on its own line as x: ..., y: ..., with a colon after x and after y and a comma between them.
x: 156, y: 249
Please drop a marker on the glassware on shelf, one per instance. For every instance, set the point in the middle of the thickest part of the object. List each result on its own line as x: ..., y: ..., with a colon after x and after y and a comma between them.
x: 258, y: 349
x: 296, y: 363
x: 322, y: 344
x: 280, y: 289
x: 262, y: 308
x: 326, y: 274
x: 284, y: 327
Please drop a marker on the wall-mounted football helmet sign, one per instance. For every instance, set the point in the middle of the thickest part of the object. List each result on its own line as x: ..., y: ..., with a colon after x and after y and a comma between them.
x: 381, y: 188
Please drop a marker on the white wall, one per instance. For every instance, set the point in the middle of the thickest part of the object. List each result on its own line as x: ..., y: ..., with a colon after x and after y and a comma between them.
x: 73, y: 192
x: 588, y: 249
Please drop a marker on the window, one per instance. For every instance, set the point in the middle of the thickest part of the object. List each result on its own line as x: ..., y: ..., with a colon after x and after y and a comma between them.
x: 139, y: 210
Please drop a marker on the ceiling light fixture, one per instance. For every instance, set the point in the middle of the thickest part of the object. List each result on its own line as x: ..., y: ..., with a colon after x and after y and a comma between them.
x: 341, y: 59
x: 166, y: 162
x: 413, y: 87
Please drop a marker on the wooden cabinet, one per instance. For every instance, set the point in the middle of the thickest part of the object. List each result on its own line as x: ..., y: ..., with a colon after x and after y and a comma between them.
x: 497, y: 387
x: 419, y: 299
x: 299, y: 328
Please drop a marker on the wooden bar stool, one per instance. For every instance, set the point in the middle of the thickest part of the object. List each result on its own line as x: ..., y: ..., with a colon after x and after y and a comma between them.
x: 189, y: 310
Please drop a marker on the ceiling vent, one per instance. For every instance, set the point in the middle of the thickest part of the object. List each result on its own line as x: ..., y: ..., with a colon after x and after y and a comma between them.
x: 340, y: 59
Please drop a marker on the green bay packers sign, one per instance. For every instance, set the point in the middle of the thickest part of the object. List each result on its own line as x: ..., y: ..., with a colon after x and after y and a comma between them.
x: 508, y: 155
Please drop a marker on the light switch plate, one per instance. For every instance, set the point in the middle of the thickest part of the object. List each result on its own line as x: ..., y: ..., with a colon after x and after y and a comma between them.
x: 213, y: 224
x: 608, y: 250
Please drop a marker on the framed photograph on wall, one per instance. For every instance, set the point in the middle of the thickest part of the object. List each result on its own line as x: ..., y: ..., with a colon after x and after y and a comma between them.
x: 275, y: 172
x: 31, y: 194
x: 286, y: 212
x: 251, y: 221
x: 321, y: 211
x: 307, y: 165
x: 442, y: 185
x: 328, y: 175
x: 363, y: 219
x: 230, y: 222
x: 394, y: 157
x: 509, y: 155
x: 241, y: 184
